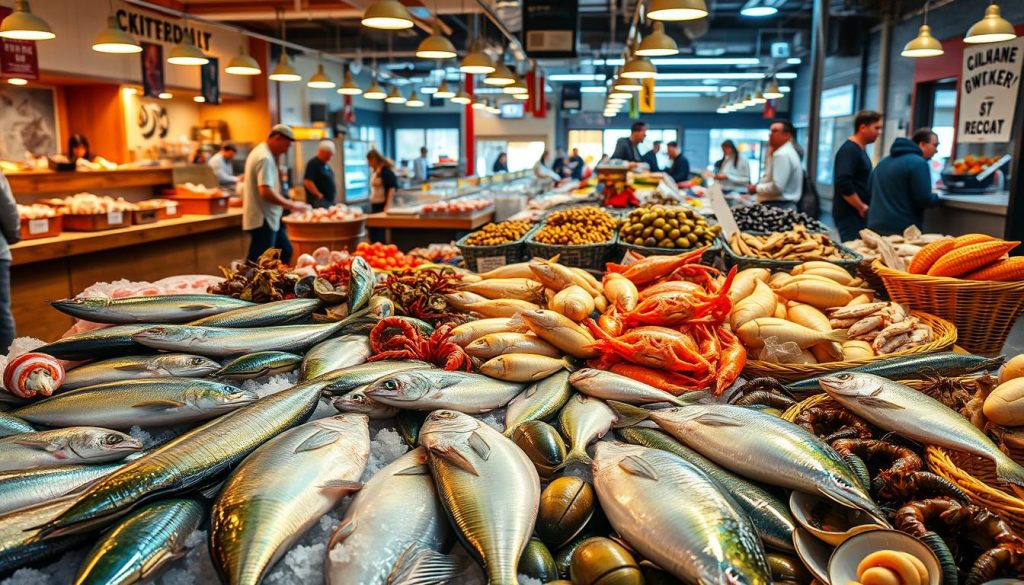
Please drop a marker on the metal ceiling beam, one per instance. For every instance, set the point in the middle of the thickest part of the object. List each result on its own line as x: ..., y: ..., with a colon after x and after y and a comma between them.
x: 307, y: 14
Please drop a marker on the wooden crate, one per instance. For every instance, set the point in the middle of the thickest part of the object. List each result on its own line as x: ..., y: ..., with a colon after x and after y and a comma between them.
x: 45, y: 227
x: 95, y: 222
x: 141, y: 216
x: 202, y: 206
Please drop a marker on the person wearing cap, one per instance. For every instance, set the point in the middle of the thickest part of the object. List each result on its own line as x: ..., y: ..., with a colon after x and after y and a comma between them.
x: 263, y: 201
x: 318, y: 180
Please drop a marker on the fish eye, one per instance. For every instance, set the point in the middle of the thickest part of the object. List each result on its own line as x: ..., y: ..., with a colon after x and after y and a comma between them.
x: 444, y: 414
x: 112, y: 440
x: 196, y: 361
x: 844, y: 376
x: 390, y: 385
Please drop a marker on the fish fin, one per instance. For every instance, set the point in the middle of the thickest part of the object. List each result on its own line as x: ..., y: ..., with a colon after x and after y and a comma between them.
x: 43, y: 444
x: 414, y: 470
x: 455, y: 458
x: 517, y: 324
x: 578, y: 456
x: 531, y: 390
x: 872, y: 402
x: 638, y: 467
x: 159, y: 404
x: 990, y: 364
x: 838, y: 335
x: 321, y: 438
x: 568, y: 364
x: 424, y: 567
x: 479, y: 445
x: 197, y: 307
x: 342, y: 485
x: 345, y: 530
x: 1009, y: 471
x: 627, y: 415
x: 152, y: 565
x: 128, y: 368
x: 717, y: 419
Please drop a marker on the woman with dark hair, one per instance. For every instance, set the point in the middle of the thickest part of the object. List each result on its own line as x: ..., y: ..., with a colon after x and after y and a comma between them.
x: 732, y: 169
x: 383, y: 185
x: 501, y: 164
x: 78, y: 147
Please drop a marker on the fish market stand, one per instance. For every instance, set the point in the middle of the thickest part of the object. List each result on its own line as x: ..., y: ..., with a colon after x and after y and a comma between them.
x: 958, y: 213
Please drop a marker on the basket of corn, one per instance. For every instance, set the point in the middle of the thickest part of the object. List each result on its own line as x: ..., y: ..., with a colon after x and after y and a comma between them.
x: 495, y: 245
x: 581, y: 237
x: 785, y: 250
x: 967, y: 280
x: 667, y: 231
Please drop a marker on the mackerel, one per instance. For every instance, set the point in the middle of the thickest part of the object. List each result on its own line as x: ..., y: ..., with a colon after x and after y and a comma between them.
x: 433, y: 388
x: 67, y: 446
x: 227, y: 342
x: 358, y: 401
x: 612, y: 386
x: 335, y: 354
x: 28, y: 487
x: 134, y: 367
x: 148, y: 309
x: 916, y: 367
x: 20, y: 544
x: 541, y: 400
x: 361, y: 283
x: 263, y: 315
x: 97, y: 344
x: 12, y: 425
x: 143, y: 544
x: 259, y: 365
x: 345, y: 380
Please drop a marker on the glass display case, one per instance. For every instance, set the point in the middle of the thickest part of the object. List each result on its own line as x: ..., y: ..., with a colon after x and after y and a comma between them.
x: 356, y: 170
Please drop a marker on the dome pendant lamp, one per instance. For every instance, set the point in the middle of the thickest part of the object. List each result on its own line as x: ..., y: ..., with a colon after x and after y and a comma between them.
x: 993, y: 28
x: 115, y: 40
x: 22, y: 25
x: 657, y: 44
x: 387, y: 15
x: 677, y: 10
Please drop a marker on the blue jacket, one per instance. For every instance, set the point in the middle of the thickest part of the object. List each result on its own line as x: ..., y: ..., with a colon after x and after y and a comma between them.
x: 901, y: 189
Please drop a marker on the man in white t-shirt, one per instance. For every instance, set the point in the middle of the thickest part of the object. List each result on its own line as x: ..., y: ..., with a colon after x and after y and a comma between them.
x: 782, y: 182
x: 264, y: 202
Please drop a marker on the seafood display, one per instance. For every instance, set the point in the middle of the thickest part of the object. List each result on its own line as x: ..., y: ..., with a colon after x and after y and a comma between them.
x: 895, y: 251
x: 336, y: 212
x: 795, y: 244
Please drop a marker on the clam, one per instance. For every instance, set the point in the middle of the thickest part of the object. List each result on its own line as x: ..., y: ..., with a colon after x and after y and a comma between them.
x: 824, y: 519
x: 842, y: 566
x: 542, y: 444
x: 566, y: 505
x: 536, y: 562
x: 325, y: 291
x: 602, y: 561
x: 409, y: 423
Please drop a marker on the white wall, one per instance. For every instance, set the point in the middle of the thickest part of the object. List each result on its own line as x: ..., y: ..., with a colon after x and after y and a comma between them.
x: 489, y: 126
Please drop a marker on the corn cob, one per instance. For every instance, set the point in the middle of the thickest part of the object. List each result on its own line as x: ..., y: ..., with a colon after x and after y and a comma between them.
x: 960, y: 261
x: 1001, y: 270
x: 924, y: 259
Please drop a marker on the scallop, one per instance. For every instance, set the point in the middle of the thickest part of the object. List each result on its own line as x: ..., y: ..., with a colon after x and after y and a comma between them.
x: 602, y: 561
x: 536, y: 562
x: 542, y: 444
x: 566, y: 505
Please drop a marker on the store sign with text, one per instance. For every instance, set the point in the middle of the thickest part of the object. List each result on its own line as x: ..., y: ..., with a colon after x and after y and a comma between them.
x: 155, y: 28
x: 989, y: 85
x: 17, y: 58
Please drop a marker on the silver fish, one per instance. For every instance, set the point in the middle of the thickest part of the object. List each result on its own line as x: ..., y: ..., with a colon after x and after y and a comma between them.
x: 134, y: 367
x: 148, y: 309
x: 20, y: 544
x: 97, y: 344
x: 227, y: 342
x: 702, y: 538
x: 394, y: 526
x: 188, y: 460
x: 28, y: 487
x: 145, y: 402
x: 347, y: 379
x: 12, y: 425
x: 358, y: 401
x: 432, y: 388
x: 281, y: 490
x: 761, y: 447
x: 259, y: 365
x: 584, y: 420
x: 335, y: 354
x: 142, y: 544
x: 612, y: 386
x: 262, y: 315
x: 894, y: 407
x: 361, y: 283
x: 66, y: 446
x: 541, y: 400
x: 489, y: 488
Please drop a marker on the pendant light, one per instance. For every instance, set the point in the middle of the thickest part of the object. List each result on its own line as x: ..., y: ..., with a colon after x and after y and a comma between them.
x: 414, y: 100
x: 476, y: 62
x: 283, y: 71
x: 479, y: 105
x: 517, y: 87
x: 17, y: 81
x: 639, y: 68
x: 22, y: 25
x: 677, y: 9
x: 521, y: 96
x: 165, y: 95
x: 758, y: 97
x: 462, y: 97
x: 436, y: 46
x: 387, y: 15
x: 772, y: 91
x: 394, y: 96
x: 320, y: 80
x: 374, y: 92
x: 501, y: 76
x: 114, y: 40
x: 243, y: 63
x: 657, y: 44
x: 199, y: 99
x: 624, y: 84
x: 924, y: 44
x: 443, y: 92
x: 993, y: 28
x: 186, y: 52
x: 348, y: 85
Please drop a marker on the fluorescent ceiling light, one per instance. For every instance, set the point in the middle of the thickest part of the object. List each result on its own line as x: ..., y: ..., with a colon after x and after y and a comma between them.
x: 793, y: 61
x: 759, y: 11
x: 577, y: 77
x: 728, y: 88
x: 721, y: 75
x: 678, y: 61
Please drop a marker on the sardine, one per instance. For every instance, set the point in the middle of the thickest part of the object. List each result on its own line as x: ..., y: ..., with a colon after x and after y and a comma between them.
x: 496, y: 344
x: 148, y: 309
x: 472, y: 330
x: 489, y: 488
x: 916, y: 367
x: 143, y: 544
x: 67, y: 446
x: 28, y: 487
x: 770, y: 515
x: 394, y: 526
x: 20, y: 544
x: 189, y: 460
x: 227, y: 342
x: 522, y: 367
x: 146, y: 402
x: 432, y: 389
x: 358, y: 401
x: 259, y: 365
x: 891, y: 406
x: 584, y: 420
x: 761, y: 447
x: 702, y: 538
x: 335, y: 354
x: 557, y: 330
x: 541, y: 400
x: 361, y: 283
x: 344, y: 380
x: 97, y: 344
x: 281, y: 490
x: 134, y: 367
x: 611, y: 386
x: 262, y: 315
x: 12, y: 425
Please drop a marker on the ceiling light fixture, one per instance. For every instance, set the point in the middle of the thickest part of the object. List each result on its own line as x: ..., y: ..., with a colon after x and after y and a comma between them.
x: 348, y: 85
x: 772, y: 91
x: 199, y: 99
x: 387, y: 15
x: 114, y: 40
x: 375, y: 92
x: 320, y: 80
x: 501, y: 76
x: 443, y: 92
x: 521, y: 96
x: 394, y: 97
x: 186, y: 52
x: 657, y: 44
x: 677, y: 10
x: 476, y: 62
x: 17, y: 81
x: 165, y: 95
x: 519, y: 86
x: 22, y: 25
x: 414, y: 100
x: 283, y: 71
x: 758, y: 9
x: 639, y: 68
x: 243, y: 64
x: 992, y: 28
x: 622, y: 84
x: 436, y: 46
x: 462, y: 97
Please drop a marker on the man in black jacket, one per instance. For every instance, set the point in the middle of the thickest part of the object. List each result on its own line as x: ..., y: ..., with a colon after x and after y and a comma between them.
x: 679, y: 168
x: 850, y: 174
x: 628, y: 147
x: 651, y: 157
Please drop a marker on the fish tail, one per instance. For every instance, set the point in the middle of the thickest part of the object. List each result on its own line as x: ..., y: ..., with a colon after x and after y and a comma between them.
x: 576, y: 456
x: 1009, y: 471
x: 628, y: 415
x: 838, y: 335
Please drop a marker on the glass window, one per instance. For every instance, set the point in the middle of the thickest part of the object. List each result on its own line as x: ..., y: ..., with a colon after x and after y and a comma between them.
x: 522, y: 154
x: 749, y: 144
x: 589, y: 144
x: 441, y: 143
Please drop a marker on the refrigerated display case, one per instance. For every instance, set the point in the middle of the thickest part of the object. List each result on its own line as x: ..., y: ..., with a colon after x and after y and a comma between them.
x: 355, y: 170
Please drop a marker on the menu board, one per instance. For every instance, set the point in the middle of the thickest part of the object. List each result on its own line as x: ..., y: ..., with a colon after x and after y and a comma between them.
x: 989, y: 84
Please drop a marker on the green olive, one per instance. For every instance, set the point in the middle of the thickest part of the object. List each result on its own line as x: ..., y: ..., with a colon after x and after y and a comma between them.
x: 566, y: 505
x: 537, y: 563
x: 666, y: 243
x: 650, y: 242
x: 673, y: 234
x: 685, y: 229
x: 659, y: 223
x: 602, y: 561
x: 542, y: 444
x: 658, y: 234
x: 647, y: 231
x: 683, y: 242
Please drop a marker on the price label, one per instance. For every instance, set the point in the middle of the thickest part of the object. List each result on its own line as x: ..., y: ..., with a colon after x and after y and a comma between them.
x: 490, y: 263
x: 172, y: 209
x: 115, y: 217
x: 722, y: 211
x: 38, y: 226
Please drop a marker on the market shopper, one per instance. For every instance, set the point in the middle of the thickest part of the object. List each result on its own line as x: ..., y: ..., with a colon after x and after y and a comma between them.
x: 651, y: 157
x: 321, y: 186
x: 732, y: 170
x: 628, y: 147
x: 500, y: 164
x: 264, y: 202
x: 421, y: 166
x: 851, y: 172
x: 901, y: 184
x: 576, y: 165
x: 679, y: 167
x: 559, y: 165
x: 781, y: 184
x: 10, y: 228
x: 221, y: 165
x: 383, y: 185
x: 541, y: 170
x: 78, y: 147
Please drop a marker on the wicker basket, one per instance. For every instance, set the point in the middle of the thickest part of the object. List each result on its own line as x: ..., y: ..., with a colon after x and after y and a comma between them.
x: 983, y: 311
x: 871, y: 278
x: 484, y: 258
x: 743, y: 262
x: 591, y: 256
x: 945, y: 337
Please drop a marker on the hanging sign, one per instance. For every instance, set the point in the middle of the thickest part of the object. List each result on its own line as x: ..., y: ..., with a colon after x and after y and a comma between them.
x: 154, y: 28
x: 17, y: 58
x: 647, y: 96
x: 989, y: 84
x: 152, y: 69
x: 550, y: 27
x: 210, y: 78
